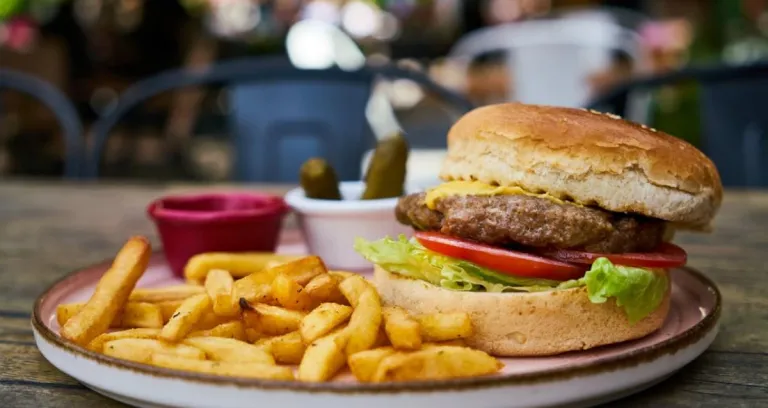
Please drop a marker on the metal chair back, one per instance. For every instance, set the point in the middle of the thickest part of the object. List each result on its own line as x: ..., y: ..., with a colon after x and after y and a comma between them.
x: 281, y: 115
x: 62, y: 108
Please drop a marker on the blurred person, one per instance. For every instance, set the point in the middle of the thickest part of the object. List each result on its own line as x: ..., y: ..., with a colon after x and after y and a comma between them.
x: 747, y: 32
x: 507, y: 11
x: 666, y: 44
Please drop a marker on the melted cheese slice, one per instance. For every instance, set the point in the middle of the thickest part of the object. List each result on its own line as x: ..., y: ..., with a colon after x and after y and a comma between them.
x: 478, y: 188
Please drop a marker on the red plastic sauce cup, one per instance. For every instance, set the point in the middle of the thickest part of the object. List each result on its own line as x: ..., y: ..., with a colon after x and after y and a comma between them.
x: 217, y: 222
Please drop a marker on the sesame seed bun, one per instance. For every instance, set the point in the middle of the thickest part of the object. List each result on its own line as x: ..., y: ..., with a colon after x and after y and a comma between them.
x: 588, y: 157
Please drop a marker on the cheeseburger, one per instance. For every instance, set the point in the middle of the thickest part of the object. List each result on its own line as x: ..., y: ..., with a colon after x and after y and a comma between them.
x: 552, y: 229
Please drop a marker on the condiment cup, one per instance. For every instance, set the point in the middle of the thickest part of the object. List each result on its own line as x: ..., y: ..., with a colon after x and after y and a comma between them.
x: 216, y: 222
x: 331, y: 226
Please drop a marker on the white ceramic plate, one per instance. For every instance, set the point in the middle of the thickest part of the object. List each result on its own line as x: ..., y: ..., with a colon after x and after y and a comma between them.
x: 574, y: 379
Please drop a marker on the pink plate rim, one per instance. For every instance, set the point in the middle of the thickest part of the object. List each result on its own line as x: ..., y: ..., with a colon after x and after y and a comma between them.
x: 629, y: 359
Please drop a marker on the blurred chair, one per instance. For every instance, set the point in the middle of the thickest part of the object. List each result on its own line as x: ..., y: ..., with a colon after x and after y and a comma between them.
x: 314, y: 44
x: 734, y: 116
x: 62, y: 108
x: 281, y: 115
x: 624, y: 17
x: 549, y: 60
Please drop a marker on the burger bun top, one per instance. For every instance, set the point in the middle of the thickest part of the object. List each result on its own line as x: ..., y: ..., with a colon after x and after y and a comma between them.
x: 588, y: 157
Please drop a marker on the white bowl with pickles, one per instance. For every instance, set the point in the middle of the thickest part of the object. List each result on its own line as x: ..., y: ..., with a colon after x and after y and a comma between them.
x: 330, y: 226
x: 333, y: 214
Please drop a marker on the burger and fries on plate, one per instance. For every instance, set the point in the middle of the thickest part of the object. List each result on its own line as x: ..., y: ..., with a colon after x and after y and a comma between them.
x: 551, y: 234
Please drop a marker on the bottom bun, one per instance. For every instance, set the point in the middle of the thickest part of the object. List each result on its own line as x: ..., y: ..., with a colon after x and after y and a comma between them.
x: 523, y: 324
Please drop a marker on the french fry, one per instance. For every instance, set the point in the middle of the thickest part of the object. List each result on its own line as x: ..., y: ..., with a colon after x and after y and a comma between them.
x: 65, y: 311
x: 352, y: 287
x: 97, y: 344
x: 168, y: 293
x: 232, y: 330
x: 341, y: 274
x: 286, y: 349
x: 276, y: 262
x: 252, y: 335
x: 323, y: 358
x: 365, y: 322
x: 256, y: 287
x: 168, y: 308
x: 209, y: 320
x: 434, y: 363
x: 219, y: 285
x: 402, y: 331
x: 230, y: 350
x: 111, y: 293
x: 141, y: 350
x: 262, y: 277
x: 301, y: 270
x: 445, y: 326
x: 251, y: 370
x: 290, y: 294
x: 139, y: 315
x: 133, y: 315
x: 271, y: 320
x: 238, y: 264
x: 322, y: 320
x: 254, y: 292
x: 364, y: 364
x: 183, y: 321
x: 324, y: 288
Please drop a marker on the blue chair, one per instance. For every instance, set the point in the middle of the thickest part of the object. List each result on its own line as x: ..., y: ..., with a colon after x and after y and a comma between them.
x: 733, y: 103
x: 62, y: 108
x: 281, y: 115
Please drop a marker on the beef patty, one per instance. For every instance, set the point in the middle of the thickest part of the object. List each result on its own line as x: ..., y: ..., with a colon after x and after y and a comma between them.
x: 509, y: 220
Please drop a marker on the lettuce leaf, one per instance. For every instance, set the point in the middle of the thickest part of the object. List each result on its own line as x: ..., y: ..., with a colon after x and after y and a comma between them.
x: 638, y: 291
x: 411, y: 259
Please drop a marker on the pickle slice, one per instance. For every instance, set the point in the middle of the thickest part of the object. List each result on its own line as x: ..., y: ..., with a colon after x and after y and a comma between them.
x: 385, y: 177
x: 319, y: 180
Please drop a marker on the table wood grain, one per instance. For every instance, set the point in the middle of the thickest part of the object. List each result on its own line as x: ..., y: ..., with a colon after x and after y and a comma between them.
x: 48, y: 229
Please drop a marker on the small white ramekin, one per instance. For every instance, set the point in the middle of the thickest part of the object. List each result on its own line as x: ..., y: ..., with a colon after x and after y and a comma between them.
x: 330, y: 227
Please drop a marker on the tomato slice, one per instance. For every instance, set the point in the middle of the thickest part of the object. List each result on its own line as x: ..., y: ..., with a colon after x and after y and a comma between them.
x: 665, y: 255
x: 501, y: 260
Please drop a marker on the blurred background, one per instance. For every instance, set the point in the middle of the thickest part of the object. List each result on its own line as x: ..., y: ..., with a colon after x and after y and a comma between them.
x: 99, y: 54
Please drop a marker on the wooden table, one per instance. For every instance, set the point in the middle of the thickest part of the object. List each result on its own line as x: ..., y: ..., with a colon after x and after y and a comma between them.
x: 48, y: 229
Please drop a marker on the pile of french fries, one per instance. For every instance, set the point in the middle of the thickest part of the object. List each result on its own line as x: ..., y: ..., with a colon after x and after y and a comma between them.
x: 260, y: 315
